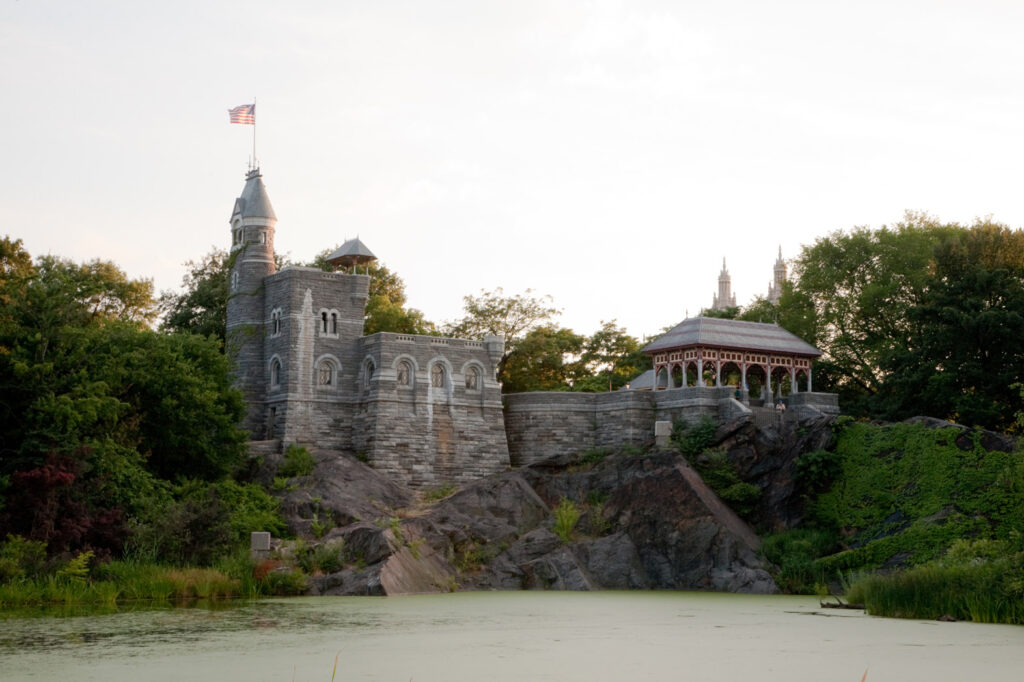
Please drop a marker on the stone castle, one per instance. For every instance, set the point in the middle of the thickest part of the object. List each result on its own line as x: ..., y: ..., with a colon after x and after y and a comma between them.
x: 423, y: 408
x: 429, y: 410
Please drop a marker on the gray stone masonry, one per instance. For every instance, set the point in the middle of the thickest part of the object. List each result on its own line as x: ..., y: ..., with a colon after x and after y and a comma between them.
x: 423, y: 433
x: 807, y: 405
x: 541, y: 425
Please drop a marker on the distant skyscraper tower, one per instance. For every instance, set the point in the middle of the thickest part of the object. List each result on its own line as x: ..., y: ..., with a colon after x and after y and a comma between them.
x: 725, y: 298
x: 775, y: 288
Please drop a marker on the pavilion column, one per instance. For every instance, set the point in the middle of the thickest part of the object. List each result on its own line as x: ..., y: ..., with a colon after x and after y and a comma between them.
x: 683, y: 384
x: 810, y: 388
x: 793, y: 388
x: 743, y: 375
x: 768, y: 383
x: 700, y: 371
x: 718, y: 373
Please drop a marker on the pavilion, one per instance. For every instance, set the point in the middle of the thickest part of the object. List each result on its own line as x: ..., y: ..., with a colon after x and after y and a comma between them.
x: 702, y: 351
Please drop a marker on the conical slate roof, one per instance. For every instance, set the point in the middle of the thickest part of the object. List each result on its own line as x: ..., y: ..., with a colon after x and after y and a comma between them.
x: 254, y: 202
x: 352, y: 252
x: 733, y: 334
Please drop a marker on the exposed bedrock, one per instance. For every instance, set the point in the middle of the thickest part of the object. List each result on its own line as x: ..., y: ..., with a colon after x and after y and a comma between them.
x: 645, y: 522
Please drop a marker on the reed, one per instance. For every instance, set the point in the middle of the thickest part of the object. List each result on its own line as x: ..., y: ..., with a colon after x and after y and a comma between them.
x: 984, y: 591
x: 120, y: 582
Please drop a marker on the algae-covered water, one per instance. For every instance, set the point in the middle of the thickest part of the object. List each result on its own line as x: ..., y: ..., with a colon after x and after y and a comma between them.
x: 497, y: 636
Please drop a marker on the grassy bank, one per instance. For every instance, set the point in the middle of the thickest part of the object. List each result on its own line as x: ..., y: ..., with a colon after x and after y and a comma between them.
x: 972, y: 583
x: 119, y: 582
x: 929, y: 521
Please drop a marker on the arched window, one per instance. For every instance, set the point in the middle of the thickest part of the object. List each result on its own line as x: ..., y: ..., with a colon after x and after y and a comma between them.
x: 323, y: 319
x: 371, y: 369
x: 334, y: 323
x: 437, y: 378
x: 275, y: 322
x: 472, y: 379
x: 275, y: 372
x: 326, y: 373
x: 234, y: 281
x: 404, y: 373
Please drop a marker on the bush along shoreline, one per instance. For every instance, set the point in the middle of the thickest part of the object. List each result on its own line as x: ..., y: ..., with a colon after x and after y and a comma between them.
x: 84, y: 581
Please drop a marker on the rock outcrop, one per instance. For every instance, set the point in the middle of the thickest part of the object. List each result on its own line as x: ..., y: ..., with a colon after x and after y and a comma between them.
x: 645, y: 522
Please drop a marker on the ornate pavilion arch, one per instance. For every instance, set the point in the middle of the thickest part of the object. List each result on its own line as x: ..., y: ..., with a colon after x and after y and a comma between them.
x: 713, y: 343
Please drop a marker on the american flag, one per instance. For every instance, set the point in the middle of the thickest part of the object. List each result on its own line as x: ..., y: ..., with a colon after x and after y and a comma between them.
x: 244, y: 113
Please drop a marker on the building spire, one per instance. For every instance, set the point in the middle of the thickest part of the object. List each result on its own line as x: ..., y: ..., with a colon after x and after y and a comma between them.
x: 725, y: 298
x: 780, y: 276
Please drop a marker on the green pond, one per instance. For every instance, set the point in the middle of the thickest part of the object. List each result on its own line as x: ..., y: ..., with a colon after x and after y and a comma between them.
x: 505, y: 636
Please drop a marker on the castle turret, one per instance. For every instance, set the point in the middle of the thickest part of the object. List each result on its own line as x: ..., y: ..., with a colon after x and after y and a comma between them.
x: 252, y: 259
x: 725, y: 298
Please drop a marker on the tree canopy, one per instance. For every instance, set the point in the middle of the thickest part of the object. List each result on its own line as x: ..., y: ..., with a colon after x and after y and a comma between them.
x: 99, y: 414
x: 921, y: 317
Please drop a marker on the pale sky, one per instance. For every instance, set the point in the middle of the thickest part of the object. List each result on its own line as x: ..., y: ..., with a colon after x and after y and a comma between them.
x: 608, y: 154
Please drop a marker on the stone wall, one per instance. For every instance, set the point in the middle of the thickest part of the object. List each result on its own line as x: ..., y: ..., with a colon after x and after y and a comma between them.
x: 541, y: 425
x: 813, y: 404
x: 301, y: 407
x: 425, y: 434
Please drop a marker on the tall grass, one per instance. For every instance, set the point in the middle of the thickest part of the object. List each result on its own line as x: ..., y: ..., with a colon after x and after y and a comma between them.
x: 981, y: 590
x: 119, y: 582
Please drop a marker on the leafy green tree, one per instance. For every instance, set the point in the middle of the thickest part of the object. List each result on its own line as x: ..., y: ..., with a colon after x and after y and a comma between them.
x: 201, y: 306
x: 856, y: 288
x: 964, y: 351
x: 544, y: 359
x: 610, y: 358
x: 510, y: 317
x: 97, y: 411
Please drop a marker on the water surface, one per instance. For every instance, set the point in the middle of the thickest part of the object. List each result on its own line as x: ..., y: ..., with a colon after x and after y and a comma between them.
x: 508, y: 636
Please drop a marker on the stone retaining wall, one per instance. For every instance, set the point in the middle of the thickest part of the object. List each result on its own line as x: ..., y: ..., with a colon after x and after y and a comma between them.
x: 541, y: 425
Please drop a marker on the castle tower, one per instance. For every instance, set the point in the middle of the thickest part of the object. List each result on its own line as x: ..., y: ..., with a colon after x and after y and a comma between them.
x: 775, y: 287
x: 725, y: 298
x: 252, y: 259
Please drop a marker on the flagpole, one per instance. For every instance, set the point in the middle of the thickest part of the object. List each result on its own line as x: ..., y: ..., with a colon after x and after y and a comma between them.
x: 254, y: 163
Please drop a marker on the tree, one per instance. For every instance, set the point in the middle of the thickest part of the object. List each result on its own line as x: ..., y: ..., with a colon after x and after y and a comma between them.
x: 510, y: 317
x: 610, y: 358
x: 964, y: 352
x: 856, y: 288
x: 545, y: 359
x: 97, y: 410
x: 201, y: 308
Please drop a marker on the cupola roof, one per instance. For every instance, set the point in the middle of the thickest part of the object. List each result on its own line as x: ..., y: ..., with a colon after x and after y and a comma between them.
x: 254, y: 202
x: 352, y: 252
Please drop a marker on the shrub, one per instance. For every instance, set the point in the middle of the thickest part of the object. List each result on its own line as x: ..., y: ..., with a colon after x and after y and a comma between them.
x: 297, y: 462
x: 439, y: 493
x: 693, y: 439
x: 567, y: 514
x: 20, y: 558
x: 741, y: 497
x: 319, y: 558
x: 594, y: 455
x: 795, y: 552
x: 77, y: 569
x: 816, y: 470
